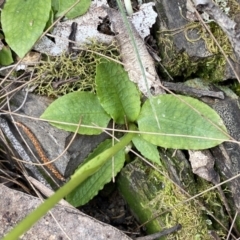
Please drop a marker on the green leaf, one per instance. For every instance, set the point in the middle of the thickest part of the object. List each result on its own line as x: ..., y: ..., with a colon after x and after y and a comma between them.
x: 6, y: 56
x: 23, y: 22
x: 117, y: 94
x: 75, y: 106
x: 76, y: 11
x: 90, y: 187
x: 147, y: 149
x: 177, y: 118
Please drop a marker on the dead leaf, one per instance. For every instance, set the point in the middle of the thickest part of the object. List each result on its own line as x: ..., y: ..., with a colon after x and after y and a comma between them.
x: 202, y: 163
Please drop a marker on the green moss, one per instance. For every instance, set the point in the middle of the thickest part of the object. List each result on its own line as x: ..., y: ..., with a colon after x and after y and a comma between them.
x: 67, y: 73
x: 234, y: 7
x: 179, y: 63
x: 235, y: 87
x: 158, y: 203
x: 211, y: 68
x: 169, y: 201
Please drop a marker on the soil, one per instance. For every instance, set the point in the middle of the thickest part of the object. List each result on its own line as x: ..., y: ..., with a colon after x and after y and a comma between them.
x: 111, y: 208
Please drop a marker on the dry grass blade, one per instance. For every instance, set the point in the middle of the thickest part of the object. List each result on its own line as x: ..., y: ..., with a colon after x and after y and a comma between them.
x: 129, y: 58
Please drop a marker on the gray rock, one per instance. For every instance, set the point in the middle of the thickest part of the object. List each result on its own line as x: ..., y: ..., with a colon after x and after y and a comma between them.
x: 183, y: 48
x: 52, y: 140
x: 15, y: 205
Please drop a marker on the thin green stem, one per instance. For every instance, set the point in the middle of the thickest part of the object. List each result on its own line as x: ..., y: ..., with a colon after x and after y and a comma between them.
x: 82, y: 174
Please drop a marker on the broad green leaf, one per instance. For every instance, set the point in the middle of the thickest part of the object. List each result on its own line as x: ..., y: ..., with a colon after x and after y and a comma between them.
x: 90, y: 187
x: 76, y: 11
x: 6, y: 56
x: 75, y: 106
x: 177, y: 118
x: 147, y: 149
x: 117, y: 94
x: 23, y: 22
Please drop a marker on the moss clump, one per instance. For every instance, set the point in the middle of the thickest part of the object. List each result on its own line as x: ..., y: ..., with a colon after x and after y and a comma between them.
x: 158, y: 203
x: 236, y: 88
x: 179, y: 63
x: 176, y: 209
x: 68, y: 73
x: 234, y: 7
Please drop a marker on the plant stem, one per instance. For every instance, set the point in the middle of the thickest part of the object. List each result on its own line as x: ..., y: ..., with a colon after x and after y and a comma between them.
x: 77, y: 178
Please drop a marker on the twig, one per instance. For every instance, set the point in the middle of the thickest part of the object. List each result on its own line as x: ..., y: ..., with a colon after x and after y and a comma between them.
x: 162, y: 233
x: 72, y: 37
